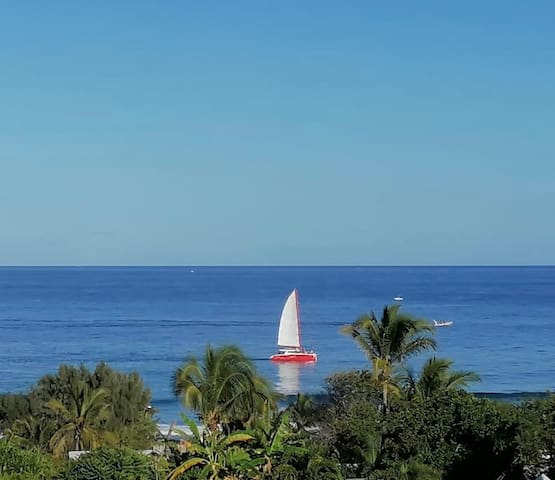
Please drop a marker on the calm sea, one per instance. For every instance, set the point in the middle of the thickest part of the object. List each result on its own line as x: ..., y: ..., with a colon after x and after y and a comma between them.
x: 148, y: 319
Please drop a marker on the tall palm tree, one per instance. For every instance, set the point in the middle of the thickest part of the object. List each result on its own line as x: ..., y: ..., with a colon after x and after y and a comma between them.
x: 435, y: 377
x: 80, y: 417
x: 225, y: 389
x: 387, y: 342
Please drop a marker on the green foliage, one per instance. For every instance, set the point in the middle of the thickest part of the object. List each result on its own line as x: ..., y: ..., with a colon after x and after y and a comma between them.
x: 32, y: 431
x: 34, y: 418
x: 138, y: 435
x: 407, y: 471
x: 536, y: 437
x: 388, y: 342
x: 279, y: 442
x: 431, y: 430
x: 344, y: 388
x: 81, y: 421
x: 303, y: 411
x: 216, y: 455
x: 454, y: 433
x: 435, y: 378
x: 291, y: 452
x: 302, y: 458
x: 112, y: 464
x: 451, y: 432
x: 13, y: 407
x: 225, y: 389
x: 320, y: 467
x: 349, y: 421
x: 284, y: 471
x: 28, y: 464
x: 128, y: 399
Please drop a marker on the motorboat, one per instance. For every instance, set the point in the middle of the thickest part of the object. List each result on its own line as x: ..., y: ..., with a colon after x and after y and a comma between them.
x: 443, y: 323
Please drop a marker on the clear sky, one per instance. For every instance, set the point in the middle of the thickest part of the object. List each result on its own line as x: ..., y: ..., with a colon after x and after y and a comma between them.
x: 277, y: 132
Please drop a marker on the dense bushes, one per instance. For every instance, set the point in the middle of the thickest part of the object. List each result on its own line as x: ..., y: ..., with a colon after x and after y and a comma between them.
x: 430, y: 428
x: 536, y: 437
x: 110, y: 405
x: 113, y: 464
x: 25, y: 464
x: 451, y: 432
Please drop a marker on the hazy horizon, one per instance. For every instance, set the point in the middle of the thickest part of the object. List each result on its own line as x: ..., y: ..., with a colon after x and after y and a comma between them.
x: 289, y: 266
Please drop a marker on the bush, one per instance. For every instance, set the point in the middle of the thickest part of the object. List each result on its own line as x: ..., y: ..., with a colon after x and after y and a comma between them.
x: 112, y: 464
x: 452, y: 432
x: 18, y: 463
x: 26, y: 416
x: 536, y: 437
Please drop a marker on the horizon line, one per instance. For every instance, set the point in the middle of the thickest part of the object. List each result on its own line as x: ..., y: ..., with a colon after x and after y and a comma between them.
x: 461, y: 265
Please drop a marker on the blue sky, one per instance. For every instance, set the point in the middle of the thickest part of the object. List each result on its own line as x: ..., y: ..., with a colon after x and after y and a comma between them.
x: 370, y: 132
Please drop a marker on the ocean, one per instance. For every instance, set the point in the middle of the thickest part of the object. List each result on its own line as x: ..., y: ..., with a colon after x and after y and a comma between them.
x: 148, y: 319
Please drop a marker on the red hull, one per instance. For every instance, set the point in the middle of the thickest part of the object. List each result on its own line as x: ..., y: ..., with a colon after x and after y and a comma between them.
x: 294, y: 357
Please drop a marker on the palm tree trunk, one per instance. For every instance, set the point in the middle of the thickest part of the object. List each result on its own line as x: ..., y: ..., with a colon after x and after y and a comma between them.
x: 384, y: 397
x: 212, y: 421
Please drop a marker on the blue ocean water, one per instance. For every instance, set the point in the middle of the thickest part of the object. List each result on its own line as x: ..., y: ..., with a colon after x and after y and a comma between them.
x: 149, y: 318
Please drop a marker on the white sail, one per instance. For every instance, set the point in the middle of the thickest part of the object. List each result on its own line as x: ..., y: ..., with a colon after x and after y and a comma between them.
x: 289, y: 335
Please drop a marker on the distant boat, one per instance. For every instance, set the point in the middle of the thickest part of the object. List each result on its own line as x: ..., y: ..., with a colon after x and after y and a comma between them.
x: 443, y: 323
x: 290, y: 348
x: 398, y: 298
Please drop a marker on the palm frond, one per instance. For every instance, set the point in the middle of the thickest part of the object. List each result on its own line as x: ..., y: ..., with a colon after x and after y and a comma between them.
x: 192, y: 425
x: 58, y: 408
x: 461, y: 379
x: 417, y: 345
x: 436, y: 376
x: 185, y: 466
x: 237, y: 437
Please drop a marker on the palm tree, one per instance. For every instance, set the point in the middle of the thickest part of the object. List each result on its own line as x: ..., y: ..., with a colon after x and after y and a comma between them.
x: 225, y: 389
x: 32, y: 430
x: 388, y: 342
x: 80, y: 417
x: 435, y: 377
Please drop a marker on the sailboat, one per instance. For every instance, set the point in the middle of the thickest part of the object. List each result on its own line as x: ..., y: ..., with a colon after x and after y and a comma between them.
x: 290, y: 348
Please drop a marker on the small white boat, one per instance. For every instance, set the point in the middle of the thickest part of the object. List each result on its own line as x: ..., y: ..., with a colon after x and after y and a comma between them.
x: 398, y: 298
x: 289, y: 334
x: 443, y: 323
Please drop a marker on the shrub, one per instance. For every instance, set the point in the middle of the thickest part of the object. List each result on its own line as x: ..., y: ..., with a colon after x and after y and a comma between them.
x: 112, y: 464
x: 18, y: 463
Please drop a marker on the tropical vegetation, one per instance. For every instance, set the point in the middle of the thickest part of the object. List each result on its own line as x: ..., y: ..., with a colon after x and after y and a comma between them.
x: 225, y: 390
x: 120, y: 463
x: 386, y: 422
x: 76, y: 409
x: 388, y: 342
